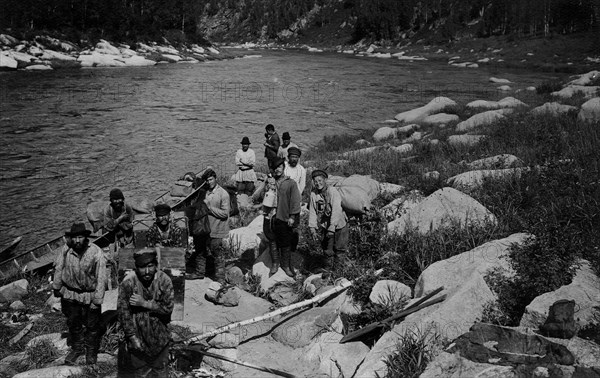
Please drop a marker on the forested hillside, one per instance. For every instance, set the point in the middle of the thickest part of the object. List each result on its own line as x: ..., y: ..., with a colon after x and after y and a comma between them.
x: 251, y: 20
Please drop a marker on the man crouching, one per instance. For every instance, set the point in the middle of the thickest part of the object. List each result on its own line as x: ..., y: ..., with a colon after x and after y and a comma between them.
x: 146, y: 301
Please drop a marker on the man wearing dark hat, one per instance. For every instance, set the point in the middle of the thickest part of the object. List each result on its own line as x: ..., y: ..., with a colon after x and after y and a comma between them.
x: 245, y: 177
x: 271, y: 144
x: 145, y: 304
x: 80, y: 280
x: 285, y: 146
x: 164, y: 232
x: 118, y: 218
x: 217, y: 201
x: 327, y: 221
x: 287, y: 216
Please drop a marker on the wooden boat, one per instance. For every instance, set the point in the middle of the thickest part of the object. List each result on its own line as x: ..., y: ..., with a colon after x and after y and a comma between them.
x: 5, y: 253
x: 44, y: 254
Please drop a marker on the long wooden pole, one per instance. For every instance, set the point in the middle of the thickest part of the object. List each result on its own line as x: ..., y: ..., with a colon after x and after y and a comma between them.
x: 280, y: 311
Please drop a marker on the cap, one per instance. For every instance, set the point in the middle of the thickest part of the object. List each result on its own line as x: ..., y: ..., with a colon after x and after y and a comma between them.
x: 319, y: 172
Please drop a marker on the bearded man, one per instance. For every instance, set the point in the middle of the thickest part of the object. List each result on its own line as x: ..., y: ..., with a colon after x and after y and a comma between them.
x: 80, y: 281
x: 145, y: 304
x: 118, y: 218
x: 164, y: 232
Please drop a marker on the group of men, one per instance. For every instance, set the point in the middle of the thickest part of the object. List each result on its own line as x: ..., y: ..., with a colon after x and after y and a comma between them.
x: 146, y: 298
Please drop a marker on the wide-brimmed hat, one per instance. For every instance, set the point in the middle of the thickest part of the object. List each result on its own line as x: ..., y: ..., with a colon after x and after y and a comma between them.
x: 78, y: 229
x: 162, y: 209
x: 245, y: 140
x: 318, y: 172
x: 286, y: 136
x: 294, y: 151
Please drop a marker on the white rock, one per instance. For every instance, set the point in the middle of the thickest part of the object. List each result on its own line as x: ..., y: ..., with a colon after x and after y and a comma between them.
x: 138, y: 61
x: 590, y: 111
x: 414, y: 137
x: 104, y: 47
x: 7, y: 62
x: 553, y: 108
x: 452, y: 365
x: 261, y: 268
x: 246, y: 238
x: 570, y: 90
x: 169, y: 50
x: 22, y: 57
x: 198, y: 49
x: 335, y: 359
x: 171, y: 57
x: 584, y: 290
x: 145, y: 48
x: 531, y: 89
x: 440, y: 119
x: 401, y: 205
x: 38, y: 67
x: 213, y: 50
x: 55, y: 339
x: 445, y: 207
x: 434, y: 106
x: 504, y: 88
x: 96, y: 59
x: 8, y: 40
x: 471, y: 180
x: 404, y: 148
x: 483, y: 60
x: 17, y: 305
x: 465, y: 140
x: 384, y: 133
x: 507, y: 102
x: 480, y: 119
x: 14, y: 291
x: 387, y: 292
x: 496, y: 162
x: 362, y: 151
x: 499, y: 81
x: 390, y: 189
x: 54, y: 372
x: 362, y: 142
x: 49, y: 55
x: 585, y: 78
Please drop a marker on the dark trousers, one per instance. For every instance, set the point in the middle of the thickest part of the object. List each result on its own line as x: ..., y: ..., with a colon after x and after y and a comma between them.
x: 246, y: 187
x: 284, y: 234
x: 84, y: 325
x: 208, y: 257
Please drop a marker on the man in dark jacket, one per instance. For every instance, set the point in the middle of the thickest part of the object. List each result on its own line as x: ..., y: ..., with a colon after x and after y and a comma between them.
x: 118, y: 218
x: 287, y: 216
x: 272, y: 144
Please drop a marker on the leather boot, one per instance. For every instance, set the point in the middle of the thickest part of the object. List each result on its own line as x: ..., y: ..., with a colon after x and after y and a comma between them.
x: 286, y: 257
x: 77, y: 348
x: 274, y: 258
x: 219, y: 275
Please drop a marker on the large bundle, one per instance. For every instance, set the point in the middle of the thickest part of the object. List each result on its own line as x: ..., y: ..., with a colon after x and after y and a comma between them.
x: 357, y: 192
x: 366, y: 183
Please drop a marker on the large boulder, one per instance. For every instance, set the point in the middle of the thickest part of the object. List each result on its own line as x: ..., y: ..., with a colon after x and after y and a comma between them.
x: 590, y: 111
x: 7, y: 62
x: 586, y: 78
x: 54, y: 372
x: 384, y: 133
x: 299, y: 330
x: 507, y: 102
x: 480, y: 119
x: 440, y: 119
x: 454, y: 271
x: 386, y: 292
x: 14, y: 291
x: 247, y: 238
x: 496, y: 162
x: 465, y: 140
x: 57, y: 339
x: 474, y: 179
x: 261, y: 268
x: 335, y: 359
x: 434, y: 106
x: 584, y: 290
x: 571, y: 90
x: 444, y: 208
x: 401, y: 205
x: 553, y: 108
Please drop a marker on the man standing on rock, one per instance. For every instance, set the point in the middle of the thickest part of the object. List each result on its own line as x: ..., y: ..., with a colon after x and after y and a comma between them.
x: 327, y: 221
x: 118, y: 218
x: 145, y: 304
x: 287, y: 216
x: 80, y: 281
x: 271, y: 144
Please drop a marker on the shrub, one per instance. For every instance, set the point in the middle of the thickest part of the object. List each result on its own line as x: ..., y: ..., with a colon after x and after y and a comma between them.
x: 549, y: 86
x: 413, y: 352
x: 37, y: 356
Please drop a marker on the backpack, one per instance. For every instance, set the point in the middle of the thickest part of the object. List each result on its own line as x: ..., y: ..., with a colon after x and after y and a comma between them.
x: 199, y: 222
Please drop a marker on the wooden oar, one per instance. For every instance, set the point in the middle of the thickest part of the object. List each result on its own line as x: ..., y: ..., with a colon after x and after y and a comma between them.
x: 243, y: 363
x: 418, y: 305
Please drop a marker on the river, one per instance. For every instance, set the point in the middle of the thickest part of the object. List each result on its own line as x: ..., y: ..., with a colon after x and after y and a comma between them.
x: 69, y: 136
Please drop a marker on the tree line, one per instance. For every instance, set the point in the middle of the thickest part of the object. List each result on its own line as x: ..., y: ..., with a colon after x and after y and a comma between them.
x: 250, y: 19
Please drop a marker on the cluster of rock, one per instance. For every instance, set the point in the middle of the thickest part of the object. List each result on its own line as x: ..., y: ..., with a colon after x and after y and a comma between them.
x: 46, y: 53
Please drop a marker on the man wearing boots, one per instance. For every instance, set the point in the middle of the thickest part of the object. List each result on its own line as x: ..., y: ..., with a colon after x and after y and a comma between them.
x: 208, y: 255
x: 145, y: 304
x: 287, y: 216
x: 327, y: 220
x: 80, y: 280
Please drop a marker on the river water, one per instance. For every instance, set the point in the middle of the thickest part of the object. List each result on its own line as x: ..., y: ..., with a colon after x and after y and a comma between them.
x: 69, y: 136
